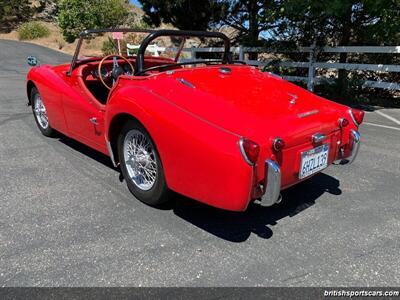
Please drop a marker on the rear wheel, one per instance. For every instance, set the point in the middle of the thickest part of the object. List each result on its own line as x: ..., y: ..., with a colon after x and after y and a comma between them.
x: 141, y: 165
x: 40, y: 114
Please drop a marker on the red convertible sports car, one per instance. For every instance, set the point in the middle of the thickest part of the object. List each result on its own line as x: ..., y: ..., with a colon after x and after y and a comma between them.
x: 220, y: 131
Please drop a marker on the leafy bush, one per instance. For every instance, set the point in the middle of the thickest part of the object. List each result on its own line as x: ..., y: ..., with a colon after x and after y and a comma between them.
x: 352, y: 92
x: 133, y: 20
x: 348, y: 91
x: 78, y: 15
x: 32, y: 30
x: 109, y: 47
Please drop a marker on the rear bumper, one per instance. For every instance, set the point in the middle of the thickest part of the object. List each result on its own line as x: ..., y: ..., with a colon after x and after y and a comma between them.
x: 272, y: 184
x: 273, y: 176
x: 354, y: 145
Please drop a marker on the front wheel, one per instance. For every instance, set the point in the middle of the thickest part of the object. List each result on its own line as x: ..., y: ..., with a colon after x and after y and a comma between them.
x: 141, y: 165
x: 40, y: 114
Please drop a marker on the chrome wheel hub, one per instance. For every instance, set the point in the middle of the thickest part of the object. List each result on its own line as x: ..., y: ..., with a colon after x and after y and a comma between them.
x: 140, y: 160
x: 40, y: 112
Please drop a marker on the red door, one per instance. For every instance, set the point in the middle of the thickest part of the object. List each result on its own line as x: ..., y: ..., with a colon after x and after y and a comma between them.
x: 84, y: 115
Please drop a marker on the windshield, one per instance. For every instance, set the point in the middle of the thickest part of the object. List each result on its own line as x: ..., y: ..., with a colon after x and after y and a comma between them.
x: 127, y: 44
x: 177, y: 45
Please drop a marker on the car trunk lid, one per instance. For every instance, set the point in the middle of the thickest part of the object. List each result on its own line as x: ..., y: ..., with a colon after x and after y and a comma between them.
x: 250, y: 103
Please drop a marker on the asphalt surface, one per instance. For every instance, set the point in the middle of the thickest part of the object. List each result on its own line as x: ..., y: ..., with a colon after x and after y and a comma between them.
x: 67, y: 220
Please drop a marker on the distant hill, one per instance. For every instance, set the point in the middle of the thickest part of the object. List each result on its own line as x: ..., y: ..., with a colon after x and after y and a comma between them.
x: 46, y: 13
x: 46, y: 10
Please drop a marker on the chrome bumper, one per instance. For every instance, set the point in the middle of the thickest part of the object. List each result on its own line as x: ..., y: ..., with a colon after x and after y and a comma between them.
x: 272, y: 181
x: 354, y: 144
x: 272, y: 184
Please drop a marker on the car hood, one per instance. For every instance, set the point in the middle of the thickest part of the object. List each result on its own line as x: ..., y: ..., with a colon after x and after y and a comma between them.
x: 249, y: 102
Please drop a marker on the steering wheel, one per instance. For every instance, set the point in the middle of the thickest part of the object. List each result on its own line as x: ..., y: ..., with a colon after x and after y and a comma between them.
x: 116, y: 71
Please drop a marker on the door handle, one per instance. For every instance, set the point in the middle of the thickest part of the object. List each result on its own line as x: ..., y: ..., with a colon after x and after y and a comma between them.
x: 93, y: 120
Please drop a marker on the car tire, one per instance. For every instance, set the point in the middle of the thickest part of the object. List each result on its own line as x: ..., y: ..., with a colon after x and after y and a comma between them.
x: 40, y: 114
x: 141, y: 165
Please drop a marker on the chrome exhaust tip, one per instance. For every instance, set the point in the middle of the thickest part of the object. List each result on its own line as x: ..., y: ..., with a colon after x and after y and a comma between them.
x: 279, y: 200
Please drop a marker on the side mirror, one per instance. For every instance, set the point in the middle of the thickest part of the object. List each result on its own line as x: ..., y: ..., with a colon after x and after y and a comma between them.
x: 32, y: 61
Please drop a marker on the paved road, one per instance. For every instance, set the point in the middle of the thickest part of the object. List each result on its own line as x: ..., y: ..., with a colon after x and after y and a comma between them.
x: 67, y: 220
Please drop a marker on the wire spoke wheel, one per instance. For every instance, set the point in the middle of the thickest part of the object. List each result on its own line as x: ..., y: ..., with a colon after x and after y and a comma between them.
x: 140, y: 159
x: 40, y: 112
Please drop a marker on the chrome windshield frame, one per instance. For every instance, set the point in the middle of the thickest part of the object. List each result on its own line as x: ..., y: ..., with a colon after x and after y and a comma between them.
x: 152, y: 34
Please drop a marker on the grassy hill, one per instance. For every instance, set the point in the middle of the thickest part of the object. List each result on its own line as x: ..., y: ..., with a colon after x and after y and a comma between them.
x: 55, y: 40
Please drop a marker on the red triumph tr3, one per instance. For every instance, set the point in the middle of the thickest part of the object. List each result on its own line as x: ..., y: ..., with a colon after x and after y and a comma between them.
x: 220, y: 131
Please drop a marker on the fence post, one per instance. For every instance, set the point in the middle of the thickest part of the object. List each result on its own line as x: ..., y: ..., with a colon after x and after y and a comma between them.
x: 193, y: 53
x: 241, y: 53
x: 311, y: 68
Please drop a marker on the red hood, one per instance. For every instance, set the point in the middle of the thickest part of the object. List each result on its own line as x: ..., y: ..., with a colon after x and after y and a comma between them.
x: 250, y: 103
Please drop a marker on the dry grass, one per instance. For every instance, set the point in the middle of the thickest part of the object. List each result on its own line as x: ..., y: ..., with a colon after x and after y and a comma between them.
x: 53, y: 41
x: 93, y: 47
x: 56, y: 41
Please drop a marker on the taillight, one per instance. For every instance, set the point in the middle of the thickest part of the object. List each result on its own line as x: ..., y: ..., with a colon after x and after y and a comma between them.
x: 278, y: 144
x: 357, y: 115
x: 250, y: 150
x: 343, y: 122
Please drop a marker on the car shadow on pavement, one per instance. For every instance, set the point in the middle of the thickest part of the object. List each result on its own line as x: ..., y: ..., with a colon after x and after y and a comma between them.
x: 237, y: 226
x: 87, y: 151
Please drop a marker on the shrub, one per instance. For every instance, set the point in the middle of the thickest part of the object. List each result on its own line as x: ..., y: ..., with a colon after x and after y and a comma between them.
x: 133, y: 20
x: 60, y: 42
x: 108, y: 47
x: 32, y: 30
x: 111, y: 47
x: 78, y: 15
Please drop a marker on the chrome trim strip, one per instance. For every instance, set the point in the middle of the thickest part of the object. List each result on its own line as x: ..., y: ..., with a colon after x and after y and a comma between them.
x: 272, y: 184
x: 244, y: 153
x: 352, y: 118
x: 225, y: 70
x: 308, y: 113
x: 109, y: 148
x: 185, y: 82
x: 355, y: 145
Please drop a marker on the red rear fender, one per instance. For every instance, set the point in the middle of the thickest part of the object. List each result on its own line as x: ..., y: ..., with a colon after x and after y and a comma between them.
x: 200, y: 160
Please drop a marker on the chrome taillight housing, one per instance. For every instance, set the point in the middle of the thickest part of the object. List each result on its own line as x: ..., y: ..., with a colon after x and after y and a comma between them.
x: 278, y: 144
x: 343, y: 122
x: 250, y: 151
x: 356, y: 115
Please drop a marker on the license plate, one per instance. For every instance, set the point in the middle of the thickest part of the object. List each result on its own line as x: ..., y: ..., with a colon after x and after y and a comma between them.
x: 314, y: 160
